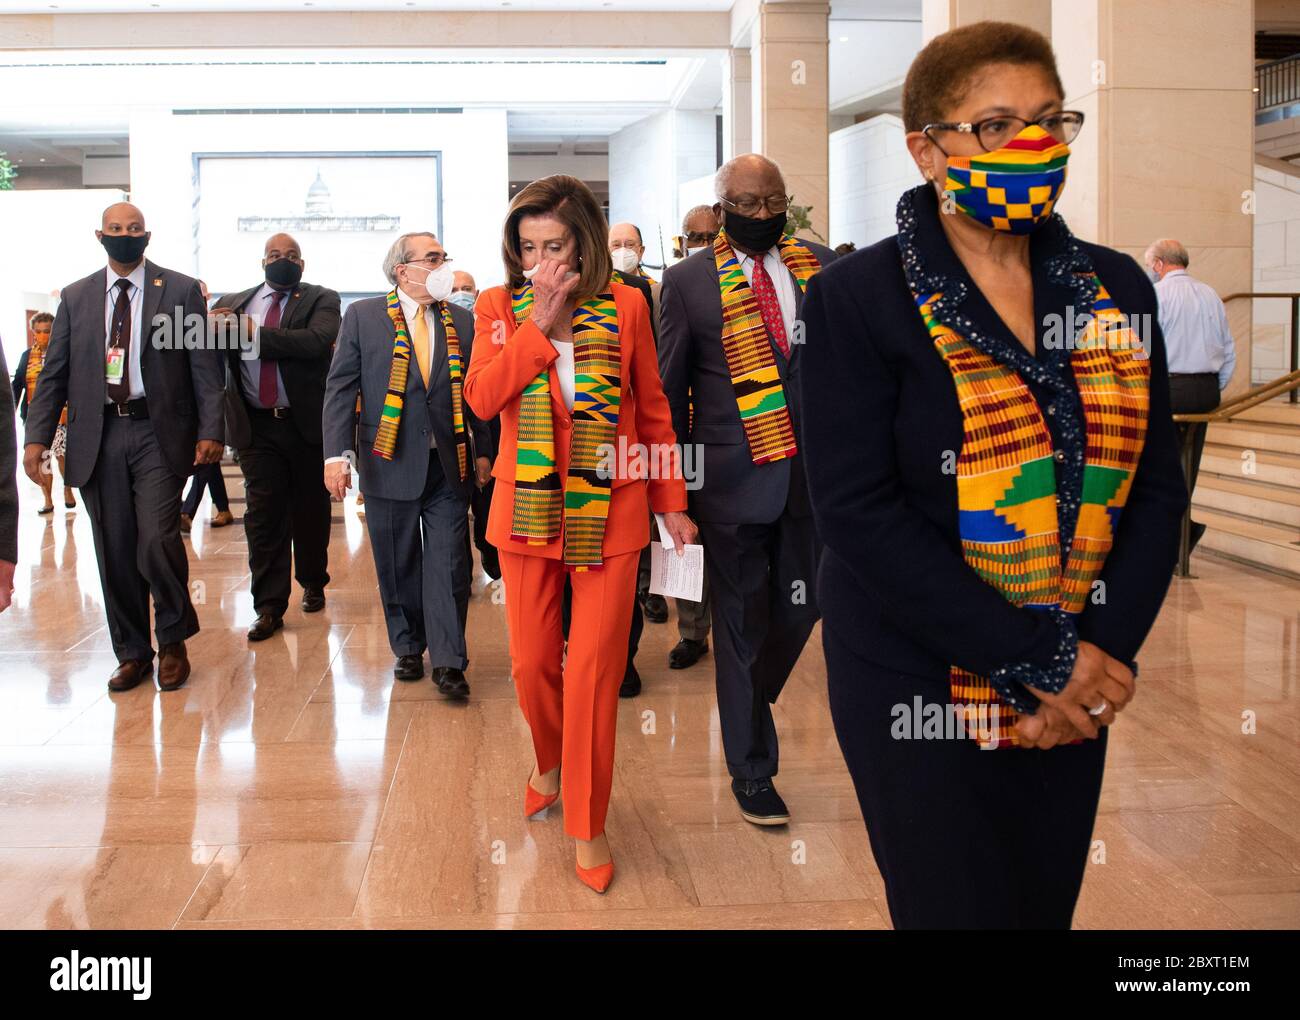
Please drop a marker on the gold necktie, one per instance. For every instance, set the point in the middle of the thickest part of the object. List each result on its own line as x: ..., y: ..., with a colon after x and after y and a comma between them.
x: 420, y: 341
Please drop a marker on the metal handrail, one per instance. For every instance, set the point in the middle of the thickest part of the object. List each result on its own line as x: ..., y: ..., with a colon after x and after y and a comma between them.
x: 1294, y: 298
x: 1277, y: 82
x: 1224, y: 412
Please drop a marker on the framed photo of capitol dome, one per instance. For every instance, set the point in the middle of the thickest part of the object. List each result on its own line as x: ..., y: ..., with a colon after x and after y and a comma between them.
x: 344, y: 208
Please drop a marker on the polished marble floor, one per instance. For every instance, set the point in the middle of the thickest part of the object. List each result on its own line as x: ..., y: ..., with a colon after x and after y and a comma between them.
x: 295, y: 784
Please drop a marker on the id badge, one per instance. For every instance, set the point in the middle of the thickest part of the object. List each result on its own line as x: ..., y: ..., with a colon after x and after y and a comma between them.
x: 114, y: 365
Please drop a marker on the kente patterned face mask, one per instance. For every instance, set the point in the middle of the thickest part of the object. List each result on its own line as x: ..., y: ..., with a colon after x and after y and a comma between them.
x: 1013, y: 188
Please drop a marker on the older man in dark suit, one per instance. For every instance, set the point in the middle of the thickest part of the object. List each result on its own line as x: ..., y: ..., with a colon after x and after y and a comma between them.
x: 273, y: 418
x: 131, y: 357
x: 729, y: 345
x: 421, y: 451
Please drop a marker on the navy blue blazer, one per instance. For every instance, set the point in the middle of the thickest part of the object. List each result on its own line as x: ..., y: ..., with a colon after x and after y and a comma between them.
x: 880, y: 420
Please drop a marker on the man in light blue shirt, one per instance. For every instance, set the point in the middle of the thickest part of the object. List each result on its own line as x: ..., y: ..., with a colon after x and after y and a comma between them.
x: 1198, y: 343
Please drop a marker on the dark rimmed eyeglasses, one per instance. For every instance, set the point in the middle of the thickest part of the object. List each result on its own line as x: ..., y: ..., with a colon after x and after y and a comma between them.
x: 777, y: 205
x: 995, y: 132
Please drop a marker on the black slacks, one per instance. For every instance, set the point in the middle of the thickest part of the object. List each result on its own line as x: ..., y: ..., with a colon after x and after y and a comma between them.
x: 287, y: 519
x: 422, y: 559
x: 206, y: 476
x: 134, y: 501
x: 1193, y: 394
x: 963, y: 837
x: 480, y: 505
x: 762, y: 590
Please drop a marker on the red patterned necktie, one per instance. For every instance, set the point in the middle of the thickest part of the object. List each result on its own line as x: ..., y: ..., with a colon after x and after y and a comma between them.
x: 765, y: 293
x: 268, y: 389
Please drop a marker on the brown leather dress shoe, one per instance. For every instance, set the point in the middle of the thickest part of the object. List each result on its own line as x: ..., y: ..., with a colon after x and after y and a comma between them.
x: 131, y: 673
x: 222, y: 519
x: 264, y: 626
x: 173, y: 666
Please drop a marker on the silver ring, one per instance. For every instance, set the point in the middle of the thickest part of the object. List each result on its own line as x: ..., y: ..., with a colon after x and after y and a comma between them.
x: 1100, y: 708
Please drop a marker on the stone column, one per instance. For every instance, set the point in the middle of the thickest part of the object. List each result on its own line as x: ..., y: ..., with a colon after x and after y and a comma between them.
x: 790, y: 98
x: 1167, y: 149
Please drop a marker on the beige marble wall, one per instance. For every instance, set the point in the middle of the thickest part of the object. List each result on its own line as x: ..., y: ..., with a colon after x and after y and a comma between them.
x: 1168, y: 147
x: 789, y: 65
x: 940, y: 15
x: 737, y: 104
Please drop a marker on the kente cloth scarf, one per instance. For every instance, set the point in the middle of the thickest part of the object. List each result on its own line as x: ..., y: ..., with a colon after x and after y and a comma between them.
x: 394, y: 400
x: 755, y: 378
x: 539, y: 509
x: 1014, y: 188
x: 1006, y: 479
x: 35, y: 362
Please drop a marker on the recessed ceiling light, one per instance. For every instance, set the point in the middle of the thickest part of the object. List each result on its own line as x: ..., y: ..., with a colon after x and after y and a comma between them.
x: 844, y: 38
x: 42, y: 159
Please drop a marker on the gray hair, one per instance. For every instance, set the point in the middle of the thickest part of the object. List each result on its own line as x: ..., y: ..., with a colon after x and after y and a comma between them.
x: 397, y: 253
x: 1168, y: 250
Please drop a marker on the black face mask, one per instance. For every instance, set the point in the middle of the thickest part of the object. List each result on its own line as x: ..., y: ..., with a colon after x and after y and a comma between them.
x: 753, y: 234
x: 283, y: 273
x: 125, y: 248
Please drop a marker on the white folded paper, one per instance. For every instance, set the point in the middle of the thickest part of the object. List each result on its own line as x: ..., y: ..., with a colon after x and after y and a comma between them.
x: 673, y: 576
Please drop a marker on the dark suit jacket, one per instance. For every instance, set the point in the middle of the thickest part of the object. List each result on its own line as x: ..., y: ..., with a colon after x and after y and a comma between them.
x: 183, y: 387
x: 735, y: 490
x: 893, y: 582
x: 19, y: 384
x: 301, y: 346
x: 8, y: 477
x: 362, y: 360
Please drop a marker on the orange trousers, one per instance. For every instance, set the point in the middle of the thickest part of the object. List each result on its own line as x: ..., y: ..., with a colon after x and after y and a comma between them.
x: 570, y: 702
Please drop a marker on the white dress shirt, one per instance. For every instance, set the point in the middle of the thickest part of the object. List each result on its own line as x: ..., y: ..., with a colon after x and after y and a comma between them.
x: 135, y: 378
x: 1195, y: 325
x: 251, y: 368
x: 565, y: 369
x: 782, y: 282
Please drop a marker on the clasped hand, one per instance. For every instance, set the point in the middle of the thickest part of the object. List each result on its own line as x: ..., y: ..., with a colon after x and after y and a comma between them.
x: 1098, y: 679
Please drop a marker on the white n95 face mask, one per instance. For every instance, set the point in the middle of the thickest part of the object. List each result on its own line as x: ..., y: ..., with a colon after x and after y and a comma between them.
x: 438, y: 282
x: 625, y: 260
x: 530, y: 273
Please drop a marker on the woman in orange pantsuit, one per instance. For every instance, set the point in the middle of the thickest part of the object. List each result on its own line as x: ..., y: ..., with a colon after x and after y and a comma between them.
x: 567, y: 358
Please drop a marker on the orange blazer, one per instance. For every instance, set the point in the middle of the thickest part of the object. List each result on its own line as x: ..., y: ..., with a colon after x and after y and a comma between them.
x: 505, y: 359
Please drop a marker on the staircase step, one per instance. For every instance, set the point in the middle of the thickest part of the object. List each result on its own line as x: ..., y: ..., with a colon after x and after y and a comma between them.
x: 1277, y: 412
x: 1272, y: 467
x: 1255, y: 435
x: 1264, y: 545
x: 1271, y: 504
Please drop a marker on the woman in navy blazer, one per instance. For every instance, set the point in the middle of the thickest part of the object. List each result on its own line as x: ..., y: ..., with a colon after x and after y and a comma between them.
x: 965, y: 836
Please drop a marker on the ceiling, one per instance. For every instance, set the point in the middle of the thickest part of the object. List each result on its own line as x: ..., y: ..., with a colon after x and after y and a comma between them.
x: 236, y: 6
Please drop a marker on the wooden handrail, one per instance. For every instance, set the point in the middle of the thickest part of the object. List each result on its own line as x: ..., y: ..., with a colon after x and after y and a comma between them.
x: 1223, y: 412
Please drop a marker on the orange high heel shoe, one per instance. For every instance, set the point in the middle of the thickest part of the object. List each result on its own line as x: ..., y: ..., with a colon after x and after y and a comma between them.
x: 597, y: 878
x: 534, y: 801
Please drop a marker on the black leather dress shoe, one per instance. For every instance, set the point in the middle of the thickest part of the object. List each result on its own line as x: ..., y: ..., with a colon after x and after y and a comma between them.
x: 264, y: 626
x: 450, y: 682
x: 313, y: 600
x: 759, y: 802
x: 686, y: 653
x: 655, y: 608
x: 409, y: 667
x: 631, y: 685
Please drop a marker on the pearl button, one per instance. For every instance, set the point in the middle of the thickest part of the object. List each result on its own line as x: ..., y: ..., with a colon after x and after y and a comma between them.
x: 1051, y: 409
x: 1060, y: 456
